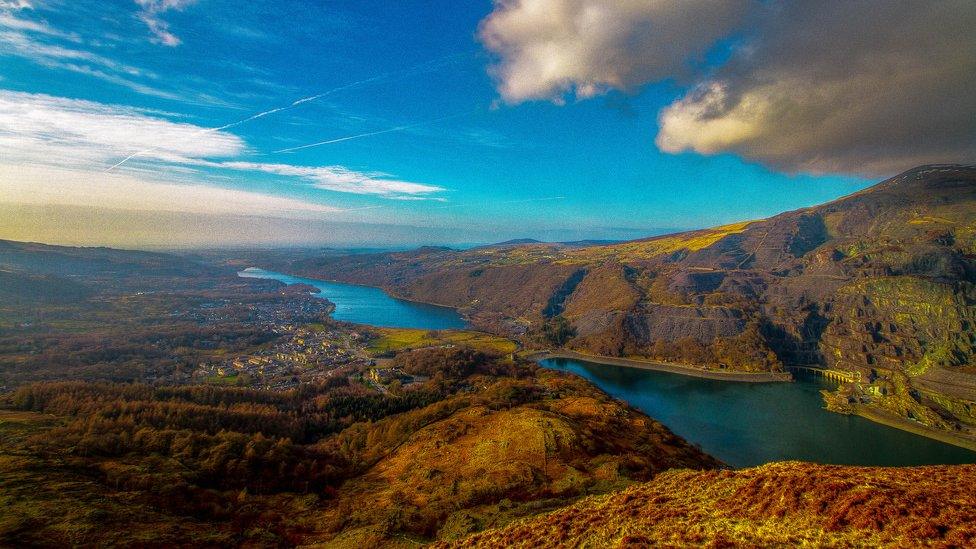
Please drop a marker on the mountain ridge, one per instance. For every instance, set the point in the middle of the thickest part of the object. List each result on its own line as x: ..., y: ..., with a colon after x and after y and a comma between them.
x: 879, y: 284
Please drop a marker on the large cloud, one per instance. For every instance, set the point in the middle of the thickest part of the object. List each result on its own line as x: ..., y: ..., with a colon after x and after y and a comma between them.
x: 548, y: 48
x: 859, y: 87
x: 867, y: 87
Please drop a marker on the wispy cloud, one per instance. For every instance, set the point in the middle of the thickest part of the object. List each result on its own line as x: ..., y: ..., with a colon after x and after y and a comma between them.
x: 70, y: 141
x: 38, y: 42
x: 151, y: 13
x: 340, y: 179
x: 15, y: 4
x: 50, y: 185
x: 45, y: 129
x: 309, y: 99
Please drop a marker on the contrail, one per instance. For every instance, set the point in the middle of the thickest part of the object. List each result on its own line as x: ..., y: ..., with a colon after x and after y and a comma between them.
x: 302, y: 101
x: 368, y: 134
x: 340, y: 139
x: 543, y: 199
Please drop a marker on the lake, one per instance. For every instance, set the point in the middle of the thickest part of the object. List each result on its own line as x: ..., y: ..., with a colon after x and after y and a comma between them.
x: 743, y: 424
x: 368, y: 305
x: 746, y: 424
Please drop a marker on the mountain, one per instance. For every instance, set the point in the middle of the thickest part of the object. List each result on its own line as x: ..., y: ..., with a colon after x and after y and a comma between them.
x: 776, y: 505
x: 878, y: 284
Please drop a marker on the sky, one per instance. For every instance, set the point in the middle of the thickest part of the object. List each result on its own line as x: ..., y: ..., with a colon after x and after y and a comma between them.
x: 156, y: 123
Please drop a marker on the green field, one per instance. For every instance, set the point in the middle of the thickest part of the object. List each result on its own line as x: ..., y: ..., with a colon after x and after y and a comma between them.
x: 389, y: 340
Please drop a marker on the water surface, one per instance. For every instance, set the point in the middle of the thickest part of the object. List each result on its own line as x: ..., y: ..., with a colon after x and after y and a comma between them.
x: 746, y: 424
x: 368, y: 305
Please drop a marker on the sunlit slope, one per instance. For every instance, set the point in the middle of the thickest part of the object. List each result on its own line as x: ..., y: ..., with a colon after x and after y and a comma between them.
x: 777, y: 505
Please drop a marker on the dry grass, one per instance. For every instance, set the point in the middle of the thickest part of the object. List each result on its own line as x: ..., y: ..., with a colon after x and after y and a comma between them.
x: 779, y: 504
x: 663, y: 245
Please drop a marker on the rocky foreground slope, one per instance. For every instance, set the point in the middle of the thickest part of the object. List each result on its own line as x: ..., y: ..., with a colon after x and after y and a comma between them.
x: 879, y: 284
x: 786, y: 504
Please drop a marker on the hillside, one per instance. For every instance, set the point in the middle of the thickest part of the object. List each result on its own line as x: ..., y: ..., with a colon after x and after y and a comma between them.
x: 480, y: 442
x: 116, y: 315
x: 86, y: 262
x: 776, y: 505
x: 879, y: 284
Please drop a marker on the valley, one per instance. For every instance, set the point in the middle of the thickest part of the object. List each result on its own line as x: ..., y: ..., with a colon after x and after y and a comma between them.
x: 186, y: 398
x: 878, y: 285
x: 521, y: 274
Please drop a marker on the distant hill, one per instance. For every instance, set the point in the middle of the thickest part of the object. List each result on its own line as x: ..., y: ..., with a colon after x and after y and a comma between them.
x: 515, y: 242
x: 879, y: 284
x: 529, y: 241
x: 36, y: 258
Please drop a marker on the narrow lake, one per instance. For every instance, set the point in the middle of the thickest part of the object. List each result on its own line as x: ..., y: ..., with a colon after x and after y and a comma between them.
x: 746, y: 424
x: 368, y: 305
x: 743, y: 424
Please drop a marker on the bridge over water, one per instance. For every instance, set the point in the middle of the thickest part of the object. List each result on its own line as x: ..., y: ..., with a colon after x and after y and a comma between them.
x: 840, y: 376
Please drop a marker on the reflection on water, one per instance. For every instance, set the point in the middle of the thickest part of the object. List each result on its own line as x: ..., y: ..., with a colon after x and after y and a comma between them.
x: 746, y: 424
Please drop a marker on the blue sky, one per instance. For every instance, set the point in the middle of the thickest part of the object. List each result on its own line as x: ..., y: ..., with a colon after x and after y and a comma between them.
x: 441, y: 139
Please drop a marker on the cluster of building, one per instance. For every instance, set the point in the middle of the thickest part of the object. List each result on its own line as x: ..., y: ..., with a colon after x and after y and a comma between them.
x: 381, y: 376
x: 270, y: 313
x: 307, y: 355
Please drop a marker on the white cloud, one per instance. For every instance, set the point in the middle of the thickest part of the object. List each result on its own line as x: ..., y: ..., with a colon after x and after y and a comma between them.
x: 548, y: 48
x: 15, y: 5
x: 48, y: 47
x: 150, y: 15
x: 340, y: 179
x: 46, y: 129
x: 47, y: 185
x: 58, y: 151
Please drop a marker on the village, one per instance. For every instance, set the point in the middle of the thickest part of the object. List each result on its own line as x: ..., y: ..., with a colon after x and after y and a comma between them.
x: 312, y: 352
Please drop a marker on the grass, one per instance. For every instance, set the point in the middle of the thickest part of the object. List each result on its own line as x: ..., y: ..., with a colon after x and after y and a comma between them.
x: 655, y: 247
x: 222, y: 380
x: 398, y: 339
x: 785, y: 504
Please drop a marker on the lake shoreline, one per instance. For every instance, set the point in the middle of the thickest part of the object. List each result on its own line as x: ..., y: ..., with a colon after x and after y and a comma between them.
x: 462, y: 320
x: 388, y: 292
x: 681, y: 369
x: 875, y: 416
x: 897, y: 422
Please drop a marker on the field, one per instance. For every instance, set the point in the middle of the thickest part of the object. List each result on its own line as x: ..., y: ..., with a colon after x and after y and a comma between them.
x: 389, y: 340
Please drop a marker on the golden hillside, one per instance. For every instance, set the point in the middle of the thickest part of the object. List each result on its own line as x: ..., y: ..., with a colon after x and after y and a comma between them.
x: 786, y: 504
